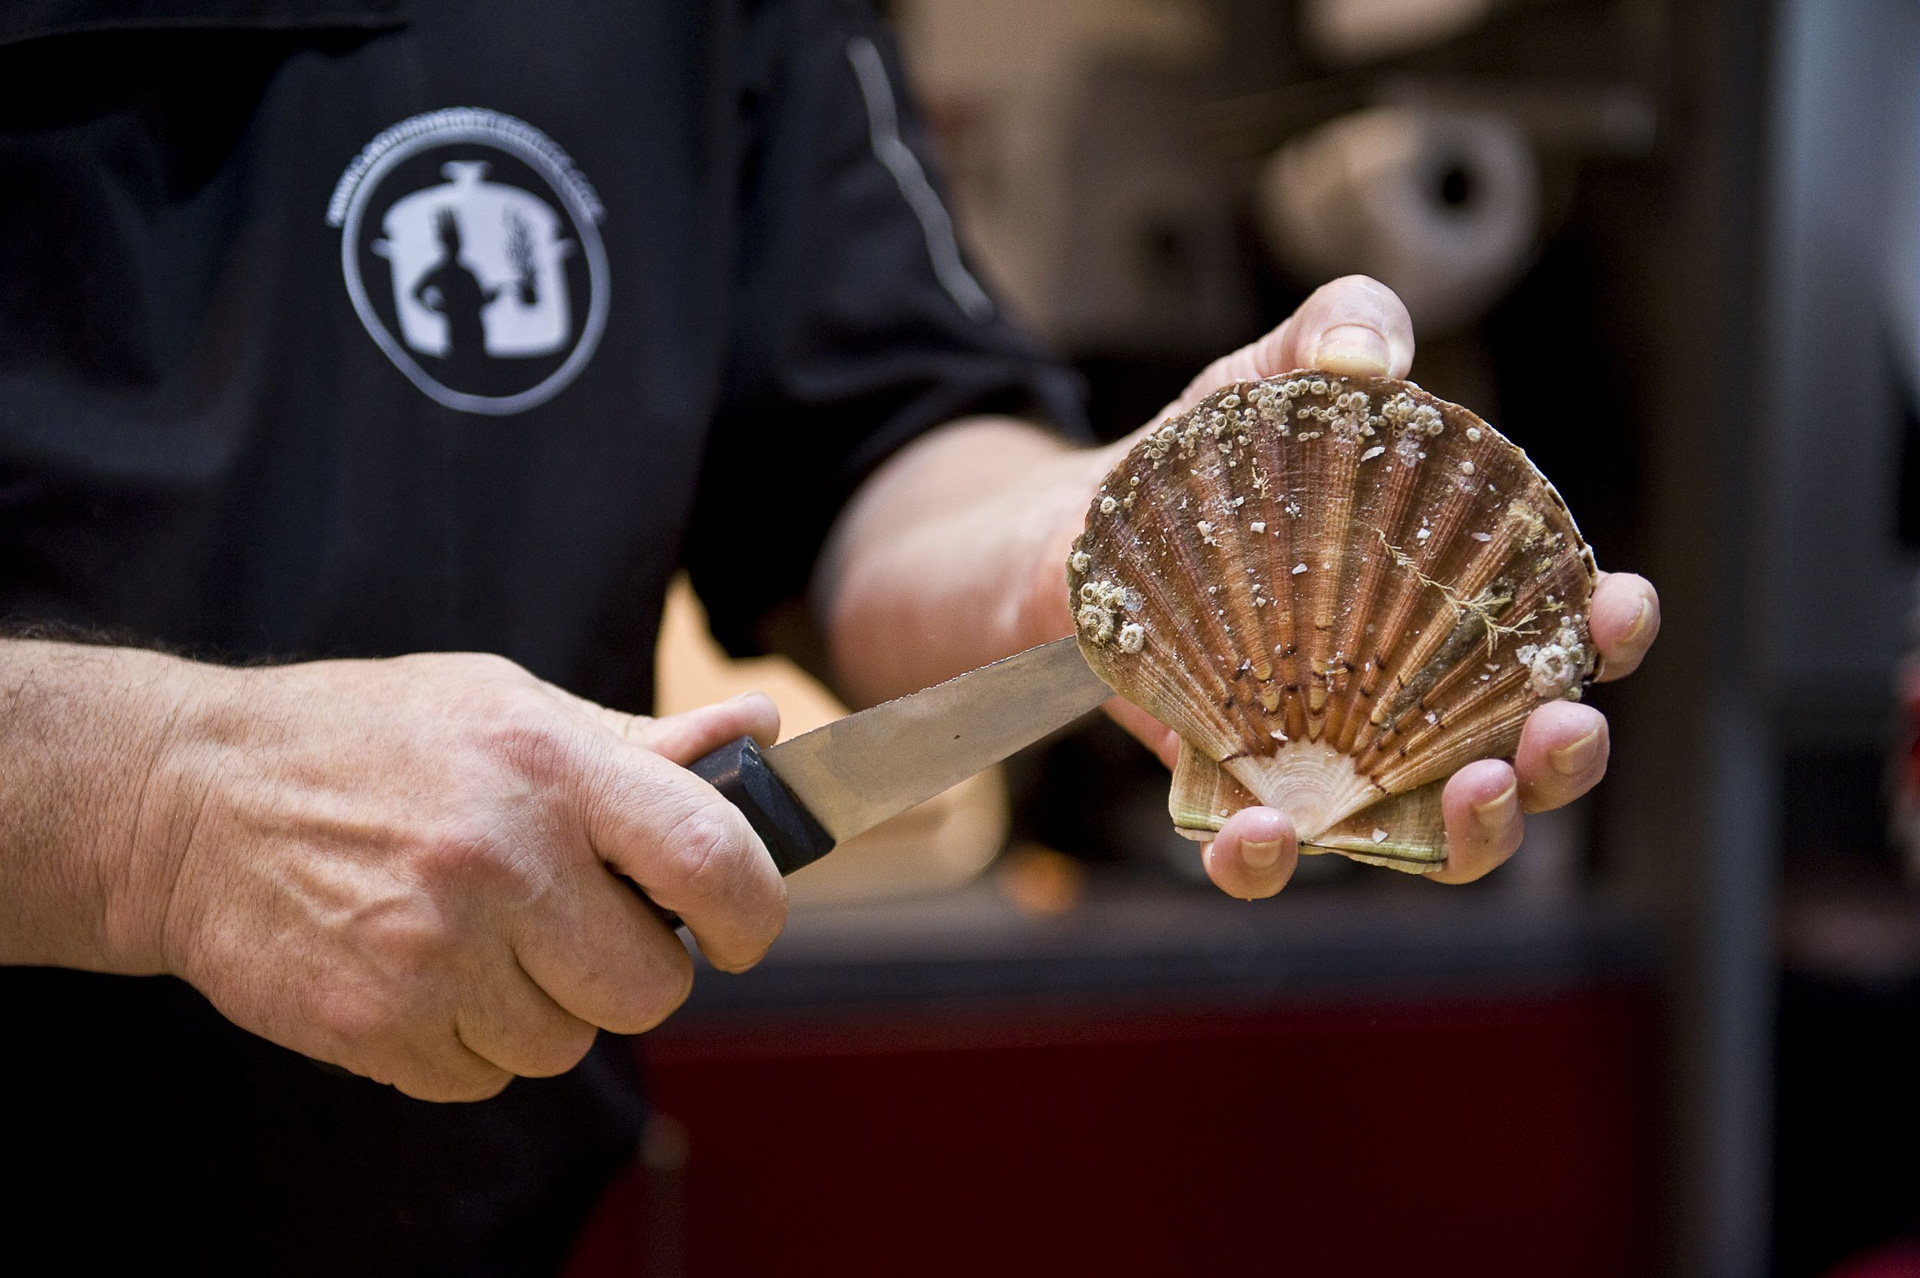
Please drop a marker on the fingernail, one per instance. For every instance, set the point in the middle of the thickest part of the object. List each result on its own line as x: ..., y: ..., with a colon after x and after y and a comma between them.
x: 1496, y: 814
x: 1576, y: 757
x: 1351, y: 348
x: 1260, y: 856
x: 1640, y: 620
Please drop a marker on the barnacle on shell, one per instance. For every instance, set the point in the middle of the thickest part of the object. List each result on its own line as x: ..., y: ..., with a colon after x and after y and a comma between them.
x: 1338, y: 591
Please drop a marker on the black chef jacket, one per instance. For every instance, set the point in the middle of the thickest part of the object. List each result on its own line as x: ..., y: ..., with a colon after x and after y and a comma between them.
x: 360, y: 327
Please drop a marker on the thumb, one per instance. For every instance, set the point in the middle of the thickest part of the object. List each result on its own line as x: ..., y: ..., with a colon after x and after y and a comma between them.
x: 1254, y: 853
x: 1354, y: 325
x: 687, y: 736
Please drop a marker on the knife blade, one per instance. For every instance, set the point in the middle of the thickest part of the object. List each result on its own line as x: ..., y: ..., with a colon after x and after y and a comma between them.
x: 821, y: 788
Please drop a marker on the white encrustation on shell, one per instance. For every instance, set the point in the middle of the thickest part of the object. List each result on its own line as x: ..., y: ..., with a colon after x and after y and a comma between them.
x: 1555, y: 668
x: 1328, y: 635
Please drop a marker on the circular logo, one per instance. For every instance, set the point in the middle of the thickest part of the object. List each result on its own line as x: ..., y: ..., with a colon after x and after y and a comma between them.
x: 471, y: 250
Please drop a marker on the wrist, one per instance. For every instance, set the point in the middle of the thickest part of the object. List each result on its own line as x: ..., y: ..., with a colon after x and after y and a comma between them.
x: 97, y: 798
x: 186, y: 713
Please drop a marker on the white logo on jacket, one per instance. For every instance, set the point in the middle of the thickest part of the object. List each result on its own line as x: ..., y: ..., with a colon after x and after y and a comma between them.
x: 471, y: 253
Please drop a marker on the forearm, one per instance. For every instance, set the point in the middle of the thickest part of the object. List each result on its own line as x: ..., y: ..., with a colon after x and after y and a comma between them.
x: 83, y: 731
x: 939, y: 564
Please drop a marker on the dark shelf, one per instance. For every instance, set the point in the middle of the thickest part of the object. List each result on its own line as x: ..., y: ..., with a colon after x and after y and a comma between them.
x: 1128, y: 943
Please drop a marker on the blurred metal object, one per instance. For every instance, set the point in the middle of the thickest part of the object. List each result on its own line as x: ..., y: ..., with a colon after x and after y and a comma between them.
x: 1843, y: 187
x: 1558, y: 115
x: 1598, y: 118
x: 1441, y: 206
x: 1903, y: 767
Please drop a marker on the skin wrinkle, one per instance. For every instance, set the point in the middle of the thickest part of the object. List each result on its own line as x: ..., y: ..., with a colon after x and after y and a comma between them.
x: 114, y: 887
x: 177, y: 837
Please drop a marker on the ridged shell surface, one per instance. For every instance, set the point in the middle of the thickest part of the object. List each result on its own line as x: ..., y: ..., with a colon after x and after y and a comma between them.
x: 1338, y: 591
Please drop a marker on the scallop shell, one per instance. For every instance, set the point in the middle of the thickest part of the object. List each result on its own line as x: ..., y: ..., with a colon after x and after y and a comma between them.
x: 1338, y: 591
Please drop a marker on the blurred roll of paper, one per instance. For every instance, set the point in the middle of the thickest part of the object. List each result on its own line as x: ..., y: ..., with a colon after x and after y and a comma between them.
x: 1441, y: 206
x: 1347, y: 32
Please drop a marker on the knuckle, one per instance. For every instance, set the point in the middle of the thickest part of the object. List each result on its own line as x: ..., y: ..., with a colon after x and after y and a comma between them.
x: 495, y: 702
x: 462, y: 854
x: 496, y: 854
x: 528, y: 730
x: 704, y: 845
x: 483, y: 667
x: 411, y: 941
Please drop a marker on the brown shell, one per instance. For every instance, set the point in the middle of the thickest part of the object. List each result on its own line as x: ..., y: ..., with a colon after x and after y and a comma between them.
x: 1338, y: 590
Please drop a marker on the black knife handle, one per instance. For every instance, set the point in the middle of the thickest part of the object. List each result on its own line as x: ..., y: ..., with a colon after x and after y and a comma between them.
x: 740, y: 773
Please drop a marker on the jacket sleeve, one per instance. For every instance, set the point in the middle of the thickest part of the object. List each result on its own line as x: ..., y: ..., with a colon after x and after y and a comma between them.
x: 857, y: 322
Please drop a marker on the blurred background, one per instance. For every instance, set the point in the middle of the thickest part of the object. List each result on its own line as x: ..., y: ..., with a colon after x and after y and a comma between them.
x: 1669, y: 247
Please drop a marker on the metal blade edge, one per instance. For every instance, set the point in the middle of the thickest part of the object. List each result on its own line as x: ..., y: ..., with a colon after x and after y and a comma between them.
x: 858, y: 771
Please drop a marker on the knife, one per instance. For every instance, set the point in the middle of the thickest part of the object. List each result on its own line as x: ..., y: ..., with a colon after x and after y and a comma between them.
x: 821, y: 788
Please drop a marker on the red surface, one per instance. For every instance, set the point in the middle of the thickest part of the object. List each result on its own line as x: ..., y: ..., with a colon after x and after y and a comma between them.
x: 1486, y: 1138
x: 1899, y: 1261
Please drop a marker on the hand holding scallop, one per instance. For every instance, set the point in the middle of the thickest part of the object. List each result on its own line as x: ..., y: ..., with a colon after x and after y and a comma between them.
x: 1338, y: 591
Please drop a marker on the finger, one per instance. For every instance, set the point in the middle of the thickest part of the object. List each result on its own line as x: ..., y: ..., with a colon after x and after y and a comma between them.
x: 1353, y: 325
x: 602, y: 953
x: 1147, y: 730
x: 1481, y: 804
x: 687, y: 736
x: 483, y: 1080
x: 509, y: 1021
x: 446, y: 1070
x: 692, y: 852
x: 1254, y: 854
x: 1562, y: 755
x: 1624, y: 620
